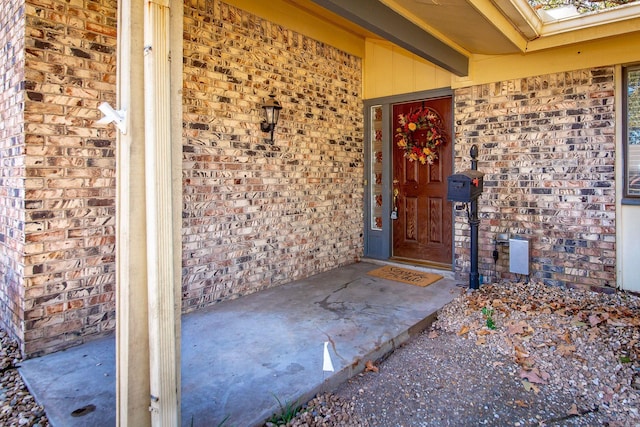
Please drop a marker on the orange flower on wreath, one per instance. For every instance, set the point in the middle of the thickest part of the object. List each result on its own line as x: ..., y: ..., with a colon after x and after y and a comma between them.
x: 420, y: 134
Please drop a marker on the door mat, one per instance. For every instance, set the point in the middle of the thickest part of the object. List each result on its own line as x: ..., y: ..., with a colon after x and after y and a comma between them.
x: 404, y: 275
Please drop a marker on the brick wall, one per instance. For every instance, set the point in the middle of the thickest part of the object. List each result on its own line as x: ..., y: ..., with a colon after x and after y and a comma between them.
x: 11, y: 166
x: 69, y: 275
x: 259, y: 213
x: 547, y: 148
x: 256, y: 213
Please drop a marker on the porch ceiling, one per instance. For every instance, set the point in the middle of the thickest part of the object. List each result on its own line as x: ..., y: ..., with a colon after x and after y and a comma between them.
x: 466, y: 27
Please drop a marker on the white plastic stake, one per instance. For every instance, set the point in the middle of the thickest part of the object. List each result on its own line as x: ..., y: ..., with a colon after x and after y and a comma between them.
x: 326, y: 362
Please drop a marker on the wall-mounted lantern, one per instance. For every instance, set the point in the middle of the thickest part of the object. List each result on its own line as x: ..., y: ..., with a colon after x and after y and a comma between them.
x: 271, y: 113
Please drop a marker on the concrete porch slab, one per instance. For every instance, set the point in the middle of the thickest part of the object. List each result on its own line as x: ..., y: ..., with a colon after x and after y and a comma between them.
x: 239, y: 355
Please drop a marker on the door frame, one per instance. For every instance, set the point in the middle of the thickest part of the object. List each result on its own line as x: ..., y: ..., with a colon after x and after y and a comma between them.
x: 378, y: 243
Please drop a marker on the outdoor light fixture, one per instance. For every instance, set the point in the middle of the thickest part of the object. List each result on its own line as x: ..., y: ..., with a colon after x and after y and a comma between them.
x: 271, y: 113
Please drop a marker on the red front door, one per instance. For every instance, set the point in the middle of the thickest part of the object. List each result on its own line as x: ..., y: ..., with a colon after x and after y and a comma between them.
x: 423, y: 228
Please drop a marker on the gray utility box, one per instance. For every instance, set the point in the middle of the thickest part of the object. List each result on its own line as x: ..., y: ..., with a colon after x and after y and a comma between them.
x: 465, y: 186
x: 519, y: 256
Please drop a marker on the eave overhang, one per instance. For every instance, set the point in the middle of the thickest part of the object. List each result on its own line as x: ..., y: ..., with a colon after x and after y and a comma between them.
x: 387, y: 23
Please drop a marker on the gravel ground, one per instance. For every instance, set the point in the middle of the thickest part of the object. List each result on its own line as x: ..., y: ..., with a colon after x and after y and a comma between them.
x: 535, y: 356
x: 19, y: 408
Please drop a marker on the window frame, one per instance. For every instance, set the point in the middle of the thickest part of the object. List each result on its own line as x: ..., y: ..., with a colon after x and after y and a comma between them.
x: 627, y: 198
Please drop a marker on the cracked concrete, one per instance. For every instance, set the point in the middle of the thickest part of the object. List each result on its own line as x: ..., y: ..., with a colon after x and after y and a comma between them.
x: 240, y: 355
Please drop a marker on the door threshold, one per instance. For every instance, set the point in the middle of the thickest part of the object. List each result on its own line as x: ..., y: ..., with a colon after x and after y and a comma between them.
x: 422, y: 263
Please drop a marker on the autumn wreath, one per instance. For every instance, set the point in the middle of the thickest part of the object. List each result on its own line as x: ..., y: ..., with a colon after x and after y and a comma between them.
x: 420, y: 135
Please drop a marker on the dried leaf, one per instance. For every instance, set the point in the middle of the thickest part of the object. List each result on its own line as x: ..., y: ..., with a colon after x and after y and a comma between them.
x: 463, y: 330
x: 503, y: 309
x: 555, y: 305
x: 565, y: 350
x: 534, y: 376
x: 481, y: 341
x: 594, y: 320
x: 530, y: 387
x: 482, y: 332
x: 521, y: 404
x: 370, y: 367
x: 525, y: 362
x: 522, y: 357
x: 520, y: 352
x: 542, y: 374
x: 594, y: 334
x: 573, y: 410
x: 515, y: 329
x: 433, y: 334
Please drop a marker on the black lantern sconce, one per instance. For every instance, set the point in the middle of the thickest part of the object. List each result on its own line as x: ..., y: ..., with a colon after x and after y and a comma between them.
x: 271, y: 113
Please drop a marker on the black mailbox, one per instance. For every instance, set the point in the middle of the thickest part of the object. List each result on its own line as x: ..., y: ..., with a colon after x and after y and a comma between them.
x: 464, y: 186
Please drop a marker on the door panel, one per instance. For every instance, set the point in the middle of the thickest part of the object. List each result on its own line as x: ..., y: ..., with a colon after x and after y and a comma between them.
x: 435, y: 214
x: 411, y: 219
x: 423, y: 229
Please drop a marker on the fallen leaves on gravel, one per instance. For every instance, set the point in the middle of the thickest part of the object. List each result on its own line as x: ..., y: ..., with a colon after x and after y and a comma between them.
x: 567, y: 340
